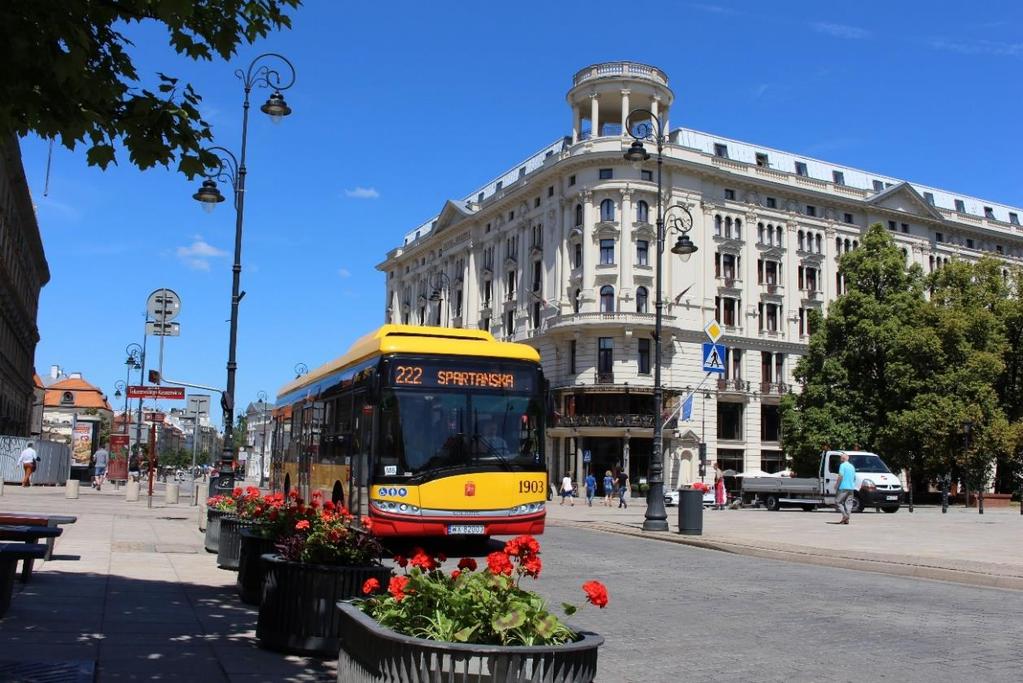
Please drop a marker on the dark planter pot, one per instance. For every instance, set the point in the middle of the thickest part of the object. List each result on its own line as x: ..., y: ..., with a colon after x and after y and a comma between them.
x: 298, y: 613
x: 372, y: 653
x: 230, y: 548
x: 250, y: 565
x: 213, y: 518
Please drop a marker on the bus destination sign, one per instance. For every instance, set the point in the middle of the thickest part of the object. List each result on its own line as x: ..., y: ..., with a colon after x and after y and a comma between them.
x: 428, y: 375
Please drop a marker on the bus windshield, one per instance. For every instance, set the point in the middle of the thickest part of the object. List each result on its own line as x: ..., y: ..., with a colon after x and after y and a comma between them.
x: 424, y: 431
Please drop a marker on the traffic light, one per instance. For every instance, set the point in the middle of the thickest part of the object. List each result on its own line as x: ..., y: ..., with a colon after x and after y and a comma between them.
x: 703, y: 460
x: 154, y: 376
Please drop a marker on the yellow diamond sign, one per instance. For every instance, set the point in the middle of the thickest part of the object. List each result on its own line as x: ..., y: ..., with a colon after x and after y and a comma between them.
x: 713, y: 331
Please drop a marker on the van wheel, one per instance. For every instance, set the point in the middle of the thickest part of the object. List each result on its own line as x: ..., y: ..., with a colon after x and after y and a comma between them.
x: 337, y: 496
x: 890, y: 509
x: 856, y: 505
x: 772, y: 503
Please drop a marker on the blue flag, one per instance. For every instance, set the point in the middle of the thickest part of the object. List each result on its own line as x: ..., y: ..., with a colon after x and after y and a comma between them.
x: 687, y: 409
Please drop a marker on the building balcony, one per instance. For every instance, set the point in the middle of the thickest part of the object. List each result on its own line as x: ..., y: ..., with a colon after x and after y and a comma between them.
x: 813, y: 294
x: 616, y: 319
x: 604, y: 377
x: 773, y: 289
x: 732, y: 240
x: 774, y: 388
x: 619, y: 70
x: 729, y: 282
x: 733, y: 386
x: 624, y: 420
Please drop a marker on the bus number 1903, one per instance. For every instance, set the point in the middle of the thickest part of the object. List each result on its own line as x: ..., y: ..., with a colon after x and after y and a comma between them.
x: 531, y: 486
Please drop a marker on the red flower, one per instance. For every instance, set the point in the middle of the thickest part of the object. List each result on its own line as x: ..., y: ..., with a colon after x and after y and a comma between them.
x: 273, y: 515
x: 522, y: 546
x: 293, y: 494
x: 401, y: 561
x: 499, y: 563
x: 596, y: 593
x: 397, y: 587
x: 329, y: 506
x: 455, y: 574
x: 441, y: 557
x: 237, y: 492
x: 317, y: 494
x: 371, y: 585
x: 531, y: 566
x: 367, y: 523
x: 467, y: 563
x: 421, y: 559
x: 302, y: 525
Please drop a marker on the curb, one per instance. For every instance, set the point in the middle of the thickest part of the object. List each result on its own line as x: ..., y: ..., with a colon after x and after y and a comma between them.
x: 909, y: 568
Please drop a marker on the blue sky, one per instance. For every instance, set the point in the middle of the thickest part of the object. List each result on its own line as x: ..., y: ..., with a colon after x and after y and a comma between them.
x: 402, y: 105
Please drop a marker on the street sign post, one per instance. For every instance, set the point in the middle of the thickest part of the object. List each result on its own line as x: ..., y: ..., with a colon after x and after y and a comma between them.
x: 167, y: 393
x: 155, y: 328
x: 714, y: 358
x: 163, y: 305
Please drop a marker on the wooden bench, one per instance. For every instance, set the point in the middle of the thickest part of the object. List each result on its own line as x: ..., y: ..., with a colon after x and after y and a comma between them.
x: 32, y: 519
x: 27, y: 534
x: 10, y: 554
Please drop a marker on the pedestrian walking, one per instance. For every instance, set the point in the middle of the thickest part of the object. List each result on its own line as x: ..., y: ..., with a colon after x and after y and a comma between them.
x: 845, y: 488
x: 623, y: 489
x: 719, y: 488
x: 566, y: 490
x: 609, y: 488
x: 591, y: 488
x: 100, y: 459
x: 28, y: 460
x: 134, y: 467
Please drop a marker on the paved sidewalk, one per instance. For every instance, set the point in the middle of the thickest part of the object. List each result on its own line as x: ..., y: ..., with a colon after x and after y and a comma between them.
x: 960, y: 546
x: 132, y: 589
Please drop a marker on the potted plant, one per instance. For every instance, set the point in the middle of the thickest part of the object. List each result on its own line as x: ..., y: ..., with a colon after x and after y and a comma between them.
x: 248, y: 504
x: 466, y: 624
x: 217, y: 507
x: 271, y: 519
x: 325, y: 556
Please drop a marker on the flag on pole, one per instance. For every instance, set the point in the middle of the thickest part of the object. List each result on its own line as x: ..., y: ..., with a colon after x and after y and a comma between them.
x: 687, y: 409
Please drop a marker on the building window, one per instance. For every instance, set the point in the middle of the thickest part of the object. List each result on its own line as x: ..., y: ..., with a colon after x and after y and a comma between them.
x: 729, y: 312
x: 641, y: 300
x: 522, y: 172
x: 939, y: 237
x: 770, y: 428
x: 500, y: 184
x: 969, y: 243
x: 607, y: 299
x: 811, y: 210
x: 878, y: 186
x: 536, y: 203
x: 838, y: 177
x: 643, y: 348
x: 801, y: 168
x: 989, y: 213
x: 772, y: 203
x: 536, y: 315
x: 550, y: 191
x: 729, y: 427
x: 607, y: 252
x: 848, y: 218
x: 479, y: 198
x: 488, y: 290
x: 642, y: 212
x: 576, y: 300
x: 904, y: 227
x: 511, y: 284
x: 578, y: 214
x: 642, y: 253
x: 571, y: 180
x: 960, y: 206
x: 729, y: 194
x: 1014, y: 218
x: 762, y: 159
x: 646, y: 175
x: 929, y: 197
x: 578, y: 255
x: 606, y: 173
x: 537, y: 275
x: 485, y: 323
x: 891, y: 225
x: 509, y: 325
x: 571, y: 356
x: 605, y: 354
x: 607, y: 210
x: 721, y: 150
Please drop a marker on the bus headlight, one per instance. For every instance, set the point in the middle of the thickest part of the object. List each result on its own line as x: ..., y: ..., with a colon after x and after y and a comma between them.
x: 390, y: 506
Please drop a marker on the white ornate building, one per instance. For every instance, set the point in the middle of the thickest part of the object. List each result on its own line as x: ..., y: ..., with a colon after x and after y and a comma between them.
x: 559, y: 253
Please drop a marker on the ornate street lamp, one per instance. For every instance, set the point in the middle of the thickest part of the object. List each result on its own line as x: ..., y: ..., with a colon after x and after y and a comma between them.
x: 652, y: 129
x: 232, y: 170
x: 441, y: 284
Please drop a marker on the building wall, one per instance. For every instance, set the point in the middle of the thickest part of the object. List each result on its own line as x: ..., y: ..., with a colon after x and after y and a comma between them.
x: 770, y: 227
x: 23, y: 272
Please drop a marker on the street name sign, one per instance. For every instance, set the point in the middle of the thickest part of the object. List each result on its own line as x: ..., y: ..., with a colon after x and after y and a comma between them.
x: 714, y: 358
x: 169, y: 393
x: 155, y: 328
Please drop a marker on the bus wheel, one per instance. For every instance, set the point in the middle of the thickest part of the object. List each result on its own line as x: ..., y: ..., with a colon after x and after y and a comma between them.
x: 338, y: 494
x: 287, y: 484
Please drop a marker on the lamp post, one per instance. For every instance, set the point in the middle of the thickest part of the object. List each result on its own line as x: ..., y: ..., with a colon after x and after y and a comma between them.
x: 136, y: 360
x: 262, y: 444
x: 121, y: 389
x: 656, y: 518
x: 441, y: 283
x: 232, y: 169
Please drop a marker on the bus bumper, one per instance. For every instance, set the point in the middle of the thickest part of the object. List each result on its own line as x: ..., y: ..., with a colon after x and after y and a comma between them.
x: 401, y: 525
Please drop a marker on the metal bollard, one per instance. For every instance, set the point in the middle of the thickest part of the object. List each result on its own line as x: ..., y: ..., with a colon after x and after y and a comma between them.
x: 172, y: 492
x: 203, y: 518
x: 690, y: 512
x: 131, y: 493
x: 71, y: 488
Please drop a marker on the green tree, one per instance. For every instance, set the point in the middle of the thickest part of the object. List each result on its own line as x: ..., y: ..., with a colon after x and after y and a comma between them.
x: 241, y: 433
x: 75, y: 79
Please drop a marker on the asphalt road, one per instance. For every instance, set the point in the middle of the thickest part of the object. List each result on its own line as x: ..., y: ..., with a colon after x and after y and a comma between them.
x: 682, y: 613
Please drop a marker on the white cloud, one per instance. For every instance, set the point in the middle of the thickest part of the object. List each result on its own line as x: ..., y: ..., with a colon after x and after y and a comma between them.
x: 978, y: 47
x: 344, y: 272
x: 840, y: 30
x: 197, y: 255
x: 362, y: 193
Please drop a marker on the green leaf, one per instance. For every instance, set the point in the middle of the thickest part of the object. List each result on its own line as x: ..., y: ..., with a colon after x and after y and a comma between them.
x: 569, y: 609
x: 512, y: 619
x: 100, y: 155
x: 464, y: 634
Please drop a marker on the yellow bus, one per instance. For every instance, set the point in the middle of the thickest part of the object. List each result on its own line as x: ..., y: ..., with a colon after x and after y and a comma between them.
x: 429, y: 431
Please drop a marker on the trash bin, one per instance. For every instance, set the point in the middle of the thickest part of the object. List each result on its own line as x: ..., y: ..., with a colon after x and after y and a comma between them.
x: 690, y: 512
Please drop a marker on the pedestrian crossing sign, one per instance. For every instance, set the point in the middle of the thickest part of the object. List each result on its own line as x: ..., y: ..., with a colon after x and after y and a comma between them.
x: 714, y: 358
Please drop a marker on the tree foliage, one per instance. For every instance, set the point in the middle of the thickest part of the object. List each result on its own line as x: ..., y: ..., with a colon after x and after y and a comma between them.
x: 69, y: 73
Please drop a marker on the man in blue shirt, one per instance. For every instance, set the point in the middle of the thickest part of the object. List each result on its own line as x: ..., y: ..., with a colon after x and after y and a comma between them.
x: 591, y: 488
x: 845, y: 488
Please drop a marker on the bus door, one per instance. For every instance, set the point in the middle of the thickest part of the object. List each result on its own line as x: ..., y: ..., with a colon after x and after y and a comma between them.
x: 306, y: 451
x: 362, y: 444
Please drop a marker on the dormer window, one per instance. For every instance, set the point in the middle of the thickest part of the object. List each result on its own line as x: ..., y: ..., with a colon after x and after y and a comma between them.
x: 67, y: 398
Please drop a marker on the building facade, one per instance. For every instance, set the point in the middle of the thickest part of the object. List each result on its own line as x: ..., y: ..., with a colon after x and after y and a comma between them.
x: 75, y: 413
x: 23, y: 272
x: 559, y: 253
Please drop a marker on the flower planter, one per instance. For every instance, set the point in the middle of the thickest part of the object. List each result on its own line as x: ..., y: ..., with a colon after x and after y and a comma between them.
x: 370, y: 652
x: 250, y: 565
x: 298, y: 613
x: 213, y: 518
x: 230, y: 546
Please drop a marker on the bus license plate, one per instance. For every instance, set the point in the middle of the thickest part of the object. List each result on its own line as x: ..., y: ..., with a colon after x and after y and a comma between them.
x: 892, y: 498
x: 466, y: 529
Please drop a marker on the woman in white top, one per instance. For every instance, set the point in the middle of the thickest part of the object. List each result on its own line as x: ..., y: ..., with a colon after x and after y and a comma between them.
x: 566, y: 490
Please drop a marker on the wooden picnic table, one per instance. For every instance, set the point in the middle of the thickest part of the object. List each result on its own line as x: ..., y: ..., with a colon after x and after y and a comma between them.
x: 10, y: 554
x: 27, y: 534
x: 34, y: 519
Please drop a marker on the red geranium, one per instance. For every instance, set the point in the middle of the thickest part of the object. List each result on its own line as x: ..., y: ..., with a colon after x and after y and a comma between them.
x: 302, y: 525
x: 371, y: 585
x: 596, y: 593
x: 531, y: 566
x: 421, y: 559
x: 401, y: 561
x: 397, y: 587
x: 522, y: 546
x: 455, y: 574
x: 467, y: 563
x: 499, y: 563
